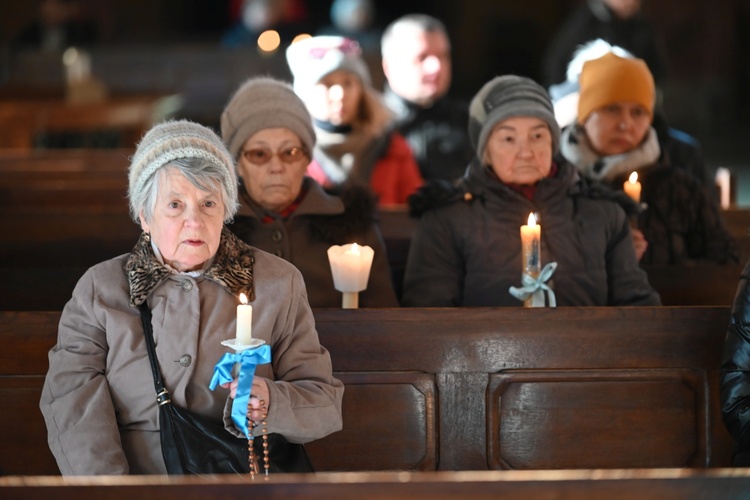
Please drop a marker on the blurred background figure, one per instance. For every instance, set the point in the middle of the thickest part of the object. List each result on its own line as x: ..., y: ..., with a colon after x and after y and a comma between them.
x: 619, y: 22
x: 60, y: 24
x: 354, y: 19
x: 355, y: 143
x: 253, y: 17
x: 416, y: 57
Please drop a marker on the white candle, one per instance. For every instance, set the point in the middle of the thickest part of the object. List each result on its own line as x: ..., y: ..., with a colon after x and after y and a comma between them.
x: 633, y: 188
x: 530, y: 237
x: 724, y: 182
x: 244, y: 321
x: 350, y: 267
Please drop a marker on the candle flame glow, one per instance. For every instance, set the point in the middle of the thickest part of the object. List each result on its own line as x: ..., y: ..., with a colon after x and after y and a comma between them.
x: 354, y: 250
x: 532, y: 220
x: 633, y: 178
x: 243, y: 298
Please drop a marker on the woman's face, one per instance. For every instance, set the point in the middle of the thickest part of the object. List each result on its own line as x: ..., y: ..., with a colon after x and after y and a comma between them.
x: 617, y: 128
x: 187, y: 221
x: 272, y: 165
x: 336, y: 98
x: 519, y: 150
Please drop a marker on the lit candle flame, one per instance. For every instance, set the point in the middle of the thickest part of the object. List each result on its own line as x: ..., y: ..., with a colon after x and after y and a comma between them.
x: 354, y: 250
x: 532, y: 220
x: 243, y: 298
x: 633, y: 178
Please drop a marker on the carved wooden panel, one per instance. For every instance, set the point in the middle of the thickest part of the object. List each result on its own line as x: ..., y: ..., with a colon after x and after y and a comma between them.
x: 597, y: 419
x: 389, y: 424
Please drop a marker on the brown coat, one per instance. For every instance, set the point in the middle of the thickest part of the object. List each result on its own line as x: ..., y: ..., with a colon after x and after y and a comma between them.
x: 321, y: 220
x: 98, y: 398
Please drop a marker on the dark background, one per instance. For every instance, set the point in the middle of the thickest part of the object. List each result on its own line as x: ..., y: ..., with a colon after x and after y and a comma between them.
x: 707, y: 43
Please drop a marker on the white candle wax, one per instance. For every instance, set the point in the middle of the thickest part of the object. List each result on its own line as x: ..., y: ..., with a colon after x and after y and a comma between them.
x: 530, y: 250
x: 244, y: 321
x: 633, y: 188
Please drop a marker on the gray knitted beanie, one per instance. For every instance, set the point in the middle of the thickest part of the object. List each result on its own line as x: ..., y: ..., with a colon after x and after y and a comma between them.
x: 170, y: 141
x: 262, y: 103
x: 509, y: 96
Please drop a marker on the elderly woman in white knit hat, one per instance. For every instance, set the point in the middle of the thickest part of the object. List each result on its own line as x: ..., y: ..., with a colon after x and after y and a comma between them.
x: 282, y: 211
x: 188, y: 271
x: 613, y: 137
x: 356, y: 144
x: 467, y: 249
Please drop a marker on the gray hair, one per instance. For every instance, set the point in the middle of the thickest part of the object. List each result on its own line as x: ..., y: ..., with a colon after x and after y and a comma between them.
x: 203, y: 174
x: 422, y: 22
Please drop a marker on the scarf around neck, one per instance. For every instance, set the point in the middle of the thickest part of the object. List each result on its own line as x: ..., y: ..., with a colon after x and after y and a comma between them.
x: 575, y: 147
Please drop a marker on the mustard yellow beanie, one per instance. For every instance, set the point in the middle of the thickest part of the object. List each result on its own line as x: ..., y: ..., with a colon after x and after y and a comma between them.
x: 611, y: 79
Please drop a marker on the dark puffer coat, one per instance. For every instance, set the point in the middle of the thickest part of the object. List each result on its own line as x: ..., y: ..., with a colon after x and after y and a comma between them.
x: 467, y: 248
x: 735, y: 372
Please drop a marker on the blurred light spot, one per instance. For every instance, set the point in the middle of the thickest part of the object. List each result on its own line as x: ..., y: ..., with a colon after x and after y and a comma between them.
x: 269, y: 41
x: 301, y: 36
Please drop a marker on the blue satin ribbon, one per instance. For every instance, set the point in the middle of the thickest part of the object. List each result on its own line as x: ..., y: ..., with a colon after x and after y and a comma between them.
x: 248, y: 360
x: 535, y: 288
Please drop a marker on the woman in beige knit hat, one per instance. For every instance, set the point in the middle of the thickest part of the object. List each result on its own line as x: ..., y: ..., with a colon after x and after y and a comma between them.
x: 613, y: 137
x: 287, y: 213
x: 98, y: 399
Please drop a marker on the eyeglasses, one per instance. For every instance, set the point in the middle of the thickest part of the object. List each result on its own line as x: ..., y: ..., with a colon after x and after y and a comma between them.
x: 261, y: 156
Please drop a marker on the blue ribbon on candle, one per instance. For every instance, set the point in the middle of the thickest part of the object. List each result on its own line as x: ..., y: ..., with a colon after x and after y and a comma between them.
x: 248, y: 360
x: 536, y: 287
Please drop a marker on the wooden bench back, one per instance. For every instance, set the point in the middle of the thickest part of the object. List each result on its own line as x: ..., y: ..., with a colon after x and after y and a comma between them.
x: 471, y: 389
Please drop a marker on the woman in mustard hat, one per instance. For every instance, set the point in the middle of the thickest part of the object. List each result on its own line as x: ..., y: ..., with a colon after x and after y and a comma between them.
x: 613, y: 137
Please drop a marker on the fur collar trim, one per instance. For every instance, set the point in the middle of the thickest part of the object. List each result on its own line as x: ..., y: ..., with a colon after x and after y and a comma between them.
x: 232, y: 268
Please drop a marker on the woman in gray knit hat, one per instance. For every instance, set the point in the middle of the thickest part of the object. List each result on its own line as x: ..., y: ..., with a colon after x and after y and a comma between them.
x: 188, y: 271
x: 467, y: 249
x: 282, y: 211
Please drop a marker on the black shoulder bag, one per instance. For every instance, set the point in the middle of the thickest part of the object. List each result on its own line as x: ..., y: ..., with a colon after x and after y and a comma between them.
x: 194, y: 444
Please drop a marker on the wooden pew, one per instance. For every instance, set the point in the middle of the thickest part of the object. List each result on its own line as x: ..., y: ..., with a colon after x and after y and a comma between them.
x: 479, y: 389
x: 130, y: 116
x: 729, y: 484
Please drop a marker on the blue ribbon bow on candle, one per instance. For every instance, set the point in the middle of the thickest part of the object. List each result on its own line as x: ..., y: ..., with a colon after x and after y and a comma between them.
x: 535, y: 288
x: 248, y: 360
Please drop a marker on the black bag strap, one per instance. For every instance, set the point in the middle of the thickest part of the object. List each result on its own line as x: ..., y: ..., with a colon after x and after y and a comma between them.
x: 162, y: 394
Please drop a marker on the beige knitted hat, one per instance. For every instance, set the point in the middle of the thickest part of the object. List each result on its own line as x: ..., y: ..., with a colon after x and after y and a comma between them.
x: 172, y: 140
x: 262, y: 103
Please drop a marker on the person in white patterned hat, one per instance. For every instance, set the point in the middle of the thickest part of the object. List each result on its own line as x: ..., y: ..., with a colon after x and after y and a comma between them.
x: 188, y: 270
x: 355, y: 141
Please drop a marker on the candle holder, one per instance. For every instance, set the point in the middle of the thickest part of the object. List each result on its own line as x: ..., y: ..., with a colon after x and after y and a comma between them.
x: 237, y: 346
x: 350, y: 267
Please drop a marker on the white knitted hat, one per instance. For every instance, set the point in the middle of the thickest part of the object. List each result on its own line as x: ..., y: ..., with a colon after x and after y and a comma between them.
x: 313, y: 58
x: 170, y: 141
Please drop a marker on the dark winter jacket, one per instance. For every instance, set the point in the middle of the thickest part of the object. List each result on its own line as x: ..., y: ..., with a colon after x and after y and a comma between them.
x: 680, y: 222
x: 735, y: 372
x: 320, y: 221
x: 467, y: 247
x: 437, y: 135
